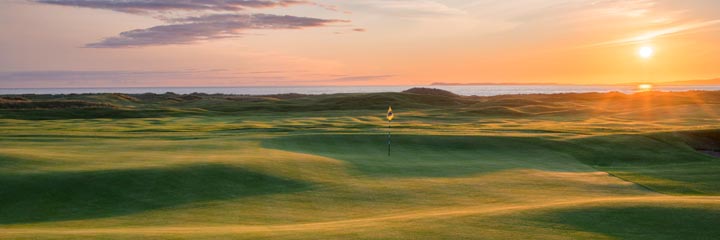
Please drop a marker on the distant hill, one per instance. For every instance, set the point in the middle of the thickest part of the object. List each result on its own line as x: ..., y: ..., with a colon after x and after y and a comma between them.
x: 715, y: 81
x: 431, y: 91
x: 488, y: 83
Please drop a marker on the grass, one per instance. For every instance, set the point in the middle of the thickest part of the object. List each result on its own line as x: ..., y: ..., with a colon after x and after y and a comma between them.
x: 96, y: 194
x: 644, y: 221
x: 432, y: 156
x: 168, y: 166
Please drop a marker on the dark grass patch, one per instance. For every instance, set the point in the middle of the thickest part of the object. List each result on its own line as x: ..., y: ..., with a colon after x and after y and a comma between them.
x: 57, y: 104
x: 88, y: 113
x: 56, y: 196
x: 641, y: 222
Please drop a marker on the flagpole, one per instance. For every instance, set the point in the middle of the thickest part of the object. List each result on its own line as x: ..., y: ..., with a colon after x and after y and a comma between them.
x: 390, y: 117
x: 389, y: 137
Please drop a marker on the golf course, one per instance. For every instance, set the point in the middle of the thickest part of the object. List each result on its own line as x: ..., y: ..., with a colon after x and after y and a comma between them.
x: 293, y: 166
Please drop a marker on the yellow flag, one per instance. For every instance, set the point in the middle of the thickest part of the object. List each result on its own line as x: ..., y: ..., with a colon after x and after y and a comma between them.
x: 390, y: 114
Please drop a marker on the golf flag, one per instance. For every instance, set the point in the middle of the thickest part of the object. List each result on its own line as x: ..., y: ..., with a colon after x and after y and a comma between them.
x: 390, y: 115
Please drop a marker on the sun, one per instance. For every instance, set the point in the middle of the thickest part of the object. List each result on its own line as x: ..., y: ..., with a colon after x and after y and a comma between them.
x: 645, y: 87
x: 646, y: 52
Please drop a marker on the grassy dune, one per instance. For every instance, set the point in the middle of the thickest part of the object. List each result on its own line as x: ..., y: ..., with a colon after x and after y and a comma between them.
x: 168, y: 166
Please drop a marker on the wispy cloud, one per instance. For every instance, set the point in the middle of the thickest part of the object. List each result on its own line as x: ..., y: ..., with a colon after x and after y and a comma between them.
x: 217, y: 77
x: 208, y: 27
x: 225, y: 20
x: 408, y: 8
x: 669, y: 31
x: 146, y: 6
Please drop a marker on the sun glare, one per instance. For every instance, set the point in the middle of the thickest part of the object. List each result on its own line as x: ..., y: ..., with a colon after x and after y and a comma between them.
x: 645, y: 87
x: 646, y: 52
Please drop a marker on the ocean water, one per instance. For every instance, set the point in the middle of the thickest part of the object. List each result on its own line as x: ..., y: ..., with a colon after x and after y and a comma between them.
x: 477, y: 90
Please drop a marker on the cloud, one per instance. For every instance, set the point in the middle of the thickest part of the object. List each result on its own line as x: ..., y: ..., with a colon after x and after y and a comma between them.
x: 146, y: 6
x: 408, y: 8
x: 196, y: 28
x: 208, y: 27
x: 123, y: 78
x: 216, y: 77
x: 61, y: 79
x: 86, y: 75
x: 674, y: 30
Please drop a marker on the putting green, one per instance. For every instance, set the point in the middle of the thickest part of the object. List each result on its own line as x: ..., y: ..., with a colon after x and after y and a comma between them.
x: 433, y: 156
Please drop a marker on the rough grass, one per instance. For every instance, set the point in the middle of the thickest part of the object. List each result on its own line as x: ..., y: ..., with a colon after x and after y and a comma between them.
x: 168, y: 166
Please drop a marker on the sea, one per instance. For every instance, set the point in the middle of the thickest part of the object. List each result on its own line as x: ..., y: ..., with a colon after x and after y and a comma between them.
x: 466, y: 90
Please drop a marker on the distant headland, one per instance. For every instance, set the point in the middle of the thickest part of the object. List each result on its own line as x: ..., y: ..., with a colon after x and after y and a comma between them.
x: 698, y: 82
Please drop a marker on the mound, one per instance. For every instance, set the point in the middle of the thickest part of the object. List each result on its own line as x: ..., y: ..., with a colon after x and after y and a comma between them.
x: 430, y: 91
x: 659, y: 162
x: 707, y: 141
x: 358, y: 101
x: 498, y: 111
x: 56, y: 196
x: 632, y: 150
x: 512, y: 101
x: 124, y: 97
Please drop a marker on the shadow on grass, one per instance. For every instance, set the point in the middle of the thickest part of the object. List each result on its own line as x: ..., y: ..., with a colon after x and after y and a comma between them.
x: 641, y: 222
x: 56, y: 196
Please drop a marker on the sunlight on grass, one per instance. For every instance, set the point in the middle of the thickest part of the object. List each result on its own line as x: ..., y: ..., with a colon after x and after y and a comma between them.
x: 501, y: 167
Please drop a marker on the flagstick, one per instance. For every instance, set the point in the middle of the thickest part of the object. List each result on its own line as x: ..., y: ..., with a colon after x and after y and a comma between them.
x: 389, y: 121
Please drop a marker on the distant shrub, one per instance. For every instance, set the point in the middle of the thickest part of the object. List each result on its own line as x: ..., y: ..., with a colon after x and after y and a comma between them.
x: 191, y: 97
x: 13, y: 99
x: 125, y: 97
x: 286, y: 95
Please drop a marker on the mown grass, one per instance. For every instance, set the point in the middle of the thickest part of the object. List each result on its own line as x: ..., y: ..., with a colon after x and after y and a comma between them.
x: 640, y: 221
x: 57, y: 196
x: 432, y: 156
x: 578, y: 166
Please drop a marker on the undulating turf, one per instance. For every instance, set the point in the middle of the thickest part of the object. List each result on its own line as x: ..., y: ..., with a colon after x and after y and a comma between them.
x: 168, y: 166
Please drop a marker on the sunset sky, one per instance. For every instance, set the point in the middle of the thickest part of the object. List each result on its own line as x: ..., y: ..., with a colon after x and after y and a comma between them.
x: 143, y: 43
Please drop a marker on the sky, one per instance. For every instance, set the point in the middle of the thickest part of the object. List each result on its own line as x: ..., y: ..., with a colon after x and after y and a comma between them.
x: 186, y: 43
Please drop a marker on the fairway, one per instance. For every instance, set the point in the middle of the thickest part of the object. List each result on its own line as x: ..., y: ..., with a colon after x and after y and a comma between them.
x: 560, y: 166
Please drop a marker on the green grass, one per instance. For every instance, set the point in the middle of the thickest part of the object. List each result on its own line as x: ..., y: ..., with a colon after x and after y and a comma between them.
x: 96, y: 194
x: 567, y: 166
x: 433, y: 156
x: 639, y: 221
x: 699, y: 178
